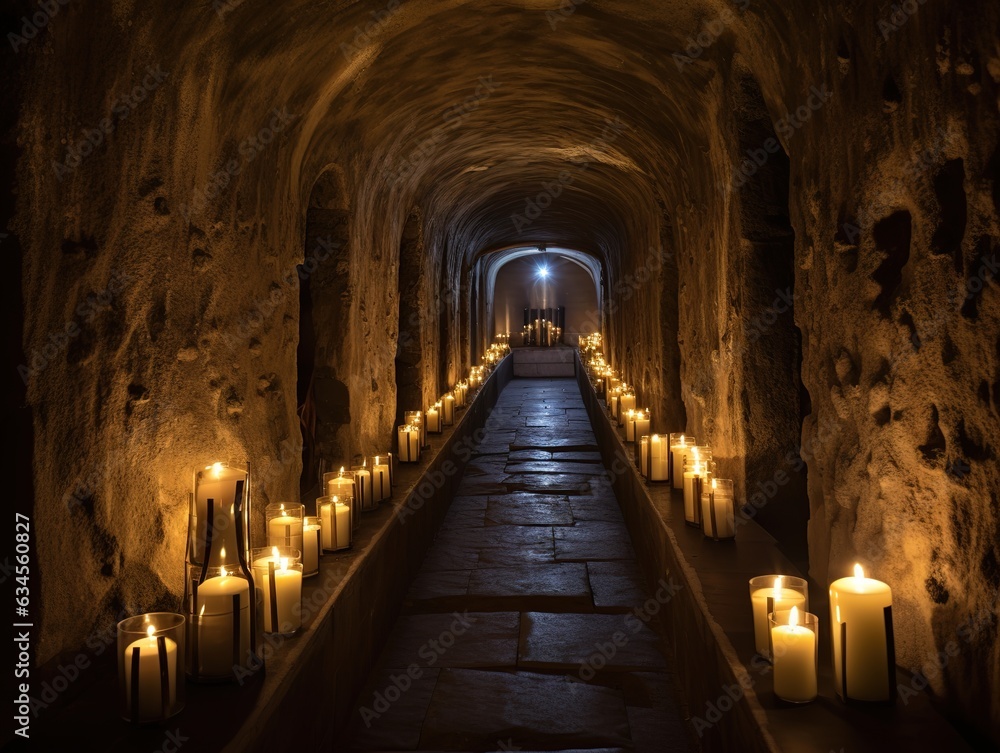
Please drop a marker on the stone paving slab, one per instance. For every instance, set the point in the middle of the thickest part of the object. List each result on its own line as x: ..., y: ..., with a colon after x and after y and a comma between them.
x: 458, y: 639
x: 586, y: 644
x: 595, y: 540
x: 527, y: 509
x: 478, y: 709
x: 378, y: 724
x: 616, y: 584
x: 555, y: 586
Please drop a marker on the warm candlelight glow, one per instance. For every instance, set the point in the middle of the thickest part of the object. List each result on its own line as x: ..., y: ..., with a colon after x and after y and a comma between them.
x: 858, y: 571
x: 793, y: 617
x: 150, y: 630
x: 284, y: 565
x: 777, y: 587
x: 274, y: 552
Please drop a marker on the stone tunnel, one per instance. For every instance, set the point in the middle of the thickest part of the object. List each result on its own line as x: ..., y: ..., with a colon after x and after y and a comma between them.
x: 266, y: 230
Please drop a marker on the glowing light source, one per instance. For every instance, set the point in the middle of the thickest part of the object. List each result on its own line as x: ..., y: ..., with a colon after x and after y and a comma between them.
x: 543, y: 272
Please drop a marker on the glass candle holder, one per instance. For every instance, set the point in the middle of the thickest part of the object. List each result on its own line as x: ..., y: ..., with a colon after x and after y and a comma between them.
x: 448, y: 409
x: 219, y: 514
x: 678, y: 457
x: 718, y: 509
x: 284, y: 524
x: 864, y: 653
x: 636, y: 425
x: 794, y: 654
x: 312, y: 544
x: 364, y: 491
x: 416, y: 418
x: 644, y: 455
x: 221, y: 623
x: 657, y: 461
x: 381, y: 471
x: 277, y: 574
x: 408, y: 437
x: 770, y: 593
x: 695, y: 474
x: 336, y: 517
x: 340, y: 483
x: 151, y: 666
x: 434, y: 424
x: 626, y: 402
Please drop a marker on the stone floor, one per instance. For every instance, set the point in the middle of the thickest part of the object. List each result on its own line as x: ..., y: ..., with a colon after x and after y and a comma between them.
x: 529, y: 626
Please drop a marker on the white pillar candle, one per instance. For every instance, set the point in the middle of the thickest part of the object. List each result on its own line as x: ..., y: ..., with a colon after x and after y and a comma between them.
x: 434, y: 418
x: 285, y: 529
x: 336, y: 518
x: 380, y: 474
x: 637, y: 425
x: 678, y: 454
x: 409, y: 444
x: 794, y: 660
x: 860, y: 604
x: 285, y: 616
x: 218, y: 483
x: 312, y: 544
x: 694, y: 476
x: 658, y: 458
x: 625, y: 403
x: 150, y: 686
x: 783, y: 598
x: 216, y: 654
x: 448, y: 412
x: 342, y: 485
x: 643, y: 455
x: 363, y: 485
x: 718, y: 513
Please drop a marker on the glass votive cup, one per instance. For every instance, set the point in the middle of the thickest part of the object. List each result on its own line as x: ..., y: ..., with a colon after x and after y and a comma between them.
x: 220, y: 608
x: 794, y: 654
x: 408, y: 439
x: 770, y: 593
x: 284, y: 524
x: 151, y: 666
x: 277, y: 575
x: 336, y: 515
x: 718, y: 509
x: 679, y: 451
x: 381, y: 471
x: 312, y: 544
x: 416, y: 418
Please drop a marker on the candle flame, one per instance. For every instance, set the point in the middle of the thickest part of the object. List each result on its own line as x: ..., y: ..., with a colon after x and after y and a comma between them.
x: 713, y: 484
x: 150, y: 630
x: 793, y: 617
x: 282, y: 507
x: 336, y: 499
x: 274, y: 552
x: 858, y: 571
x: 341, y: 470
x: 376, y: 460
x: 224, y: 573
x: 217, y: 469
x: 284, y: 566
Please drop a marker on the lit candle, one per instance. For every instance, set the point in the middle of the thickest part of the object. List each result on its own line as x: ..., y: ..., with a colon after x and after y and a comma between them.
x: 409, y: 443
x: 448, y: 413
x: 643, y: 456
x: 783, y: 592
x: 694, y: 475
x: 381, y: 487
x: 416, y: 418
x: 718, y: 513
x: 284, y: 527
x: 280, y: 581
x: 341, y: 485
x: 363, y: 484
x: 217, y: 603
x: 434, y: 418
x: 625, y: 403
x: 312, y: 545
x: 794, y: 658
x: 637, y: 425
x: 861, y: 613
x: 658, y: 458
x: 218, y: 483
x: 336, y: 518
x: 142, y: 657
x: 678, y: 455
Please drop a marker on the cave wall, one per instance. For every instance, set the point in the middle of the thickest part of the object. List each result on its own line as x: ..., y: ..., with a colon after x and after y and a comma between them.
x: 162, y: 231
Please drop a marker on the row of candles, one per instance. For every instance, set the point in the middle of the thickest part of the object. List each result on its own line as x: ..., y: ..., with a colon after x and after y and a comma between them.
x: 234, y: 591
x: 785, y: 632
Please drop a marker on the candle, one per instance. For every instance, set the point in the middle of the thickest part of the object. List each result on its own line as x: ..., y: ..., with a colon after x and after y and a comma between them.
x: 794, y: 656
x: 448, y: 414
x: 658, y: 462
x: 381, y: 488
x: 218, y: 483
x: 434, y: 419
x: 363, y: 483
x: 643, y: 456
x: 773, y: 593
x: 636, y: 425
x: 416, y: 418
x: 626, y: 402
x: 409, y: 443
x: 217, y: 602
x: 284, y: 527
x: 339, y: 484
x: 280, y: 581
x: 312, y: 545
x: 678, y: 455
x: 861, y: 613
x: 694, y: 475
x: 336, y: 519
x: 143, y: 660
x: 718, y: 511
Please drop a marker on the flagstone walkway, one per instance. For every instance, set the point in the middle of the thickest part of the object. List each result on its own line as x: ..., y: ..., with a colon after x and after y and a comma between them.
x: 529, y: 626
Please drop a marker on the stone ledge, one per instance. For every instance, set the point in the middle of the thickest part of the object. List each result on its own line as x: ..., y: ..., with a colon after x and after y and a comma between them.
x: 708, y: 629
x: 311, y: 679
